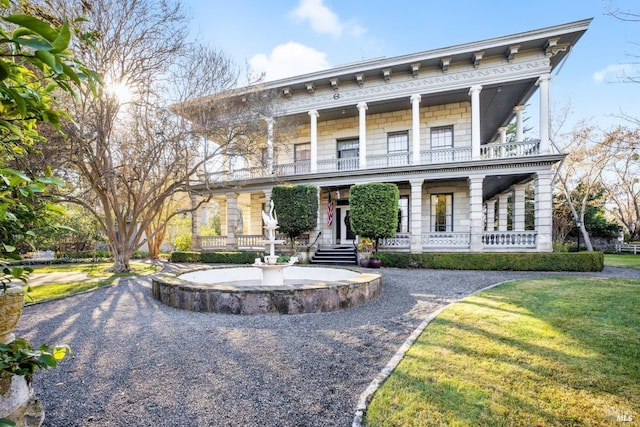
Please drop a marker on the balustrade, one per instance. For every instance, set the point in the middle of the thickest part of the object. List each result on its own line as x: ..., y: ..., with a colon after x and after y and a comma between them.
x: 445, y: 240
x: 509, y: 239
x: 399, y: 241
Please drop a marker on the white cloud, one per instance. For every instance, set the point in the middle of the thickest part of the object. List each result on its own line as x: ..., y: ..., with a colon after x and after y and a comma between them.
x: 288, y: 60
x: 614, y: 72
x: 323, y: 20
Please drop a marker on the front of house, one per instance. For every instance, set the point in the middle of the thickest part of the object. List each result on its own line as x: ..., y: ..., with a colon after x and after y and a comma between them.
x: 435, y: 124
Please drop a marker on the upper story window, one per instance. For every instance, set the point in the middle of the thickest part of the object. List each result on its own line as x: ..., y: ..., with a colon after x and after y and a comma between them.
x: 348, y: 153
x: 442, y: 137
x: 442, y: 144
x: 302, y: 157
x: 398, y: 148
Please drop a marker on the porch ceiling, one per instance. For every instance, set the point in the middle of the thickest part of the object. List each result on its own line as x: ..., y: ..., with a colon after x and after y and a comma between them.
x: 496, y: 105
x: 494, y: 185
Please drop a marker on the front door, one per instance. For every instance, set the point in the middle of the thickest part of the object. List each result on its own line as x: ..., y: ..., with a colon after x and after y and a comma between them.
x: 343, y: 233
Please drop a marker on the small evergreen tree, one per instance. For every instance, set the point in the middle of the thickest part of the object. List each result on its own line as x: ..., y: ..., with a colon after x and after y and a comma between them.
x: 374, y: 210
x: 296, y: 208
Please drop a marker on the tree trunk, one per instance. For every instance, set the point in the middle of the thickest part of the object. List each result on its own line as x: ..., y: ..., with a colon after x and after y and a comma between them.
x: 121, y: 262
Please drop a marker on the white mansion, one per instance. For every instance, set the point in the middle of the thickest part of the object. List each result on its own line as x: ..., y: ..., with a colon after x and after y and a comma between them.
x: 433, y: 123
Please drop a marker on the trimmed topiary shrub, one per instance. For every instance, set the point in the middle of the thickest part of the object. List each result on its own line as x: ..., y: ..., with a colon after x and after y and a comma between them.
x: 563, y: 261
x: 374, y: 210
x: 296, y: 209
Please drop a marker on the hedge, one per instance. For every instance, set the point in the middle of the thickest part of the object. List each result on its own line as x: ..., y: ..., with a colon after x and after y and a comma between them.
x: 556, y: 261
x: 214, y: 257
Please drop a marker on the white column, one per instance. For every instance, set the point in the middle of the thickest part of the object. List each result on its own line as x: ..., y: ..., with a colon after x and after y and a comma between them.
x: 475, y: 213
x: 543, y: 83
x: 491, y: 214
x: 195, y: 224
x: 232, y: 219
x: 544, y: 209
x: 503, y: 134
x: 415, y: 113
x: 519, y: 110
x: 475, y: 120
x: 269, y: 145
x: 314, y: 140
x: 503, y: 200
x: 416, y: 215
x: 518, y: 206
x: 362, y: 109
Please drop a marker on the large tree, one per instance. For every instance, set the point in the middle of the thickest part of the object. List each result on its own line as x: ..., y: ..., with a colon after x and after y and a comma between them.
x: 128, y: 154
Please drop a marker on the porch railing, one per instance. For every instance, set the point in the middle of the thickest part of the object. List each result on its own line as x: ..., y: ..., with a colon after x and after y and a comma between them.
x: 458, y: 240
x: 399, y: 241
x: 509, y: 239
x: 212, y: 242
x: 249, y: 241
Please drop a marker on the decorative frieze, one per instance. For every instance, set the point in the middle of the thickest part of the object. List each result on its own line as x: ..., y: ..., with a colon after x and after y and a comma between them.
x: 426, y: 82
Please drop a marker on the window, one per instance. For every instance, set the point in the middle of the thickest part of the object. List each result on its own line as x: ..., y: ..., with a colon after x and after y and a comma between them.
x: 442, y: 212
x: 403, y: 214
x: 348, y: 152
x: 398, y: 148
x: 441, y: 144
x: 302, y: 157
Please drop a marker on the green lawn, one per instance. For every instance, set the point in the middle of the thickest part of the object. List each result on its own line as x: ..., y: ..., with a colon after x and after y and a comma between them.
x: 547, y: 352
x: 622, y: 260
x: 97, y: 276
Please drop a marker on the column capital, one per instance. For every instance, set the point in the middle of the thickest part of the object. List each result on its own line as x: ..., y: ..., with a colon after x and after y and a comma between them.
x: 545, y: 78
x: 314, y: 113
x: 475, y: 89
x: 269, y: 120
x: 416, y: 182
x: 416, y: 98
x: 518, y: 108
x: 362, y: 105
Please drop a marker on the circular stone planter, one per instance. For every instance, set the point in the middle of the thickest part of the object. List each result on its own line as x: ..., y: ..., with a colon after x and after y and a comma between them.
x: 248, y: 296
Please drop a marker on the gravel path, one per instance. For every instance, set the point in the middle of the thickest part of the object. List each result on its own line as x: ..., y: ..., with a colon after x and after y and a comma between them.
x: 137, y: 362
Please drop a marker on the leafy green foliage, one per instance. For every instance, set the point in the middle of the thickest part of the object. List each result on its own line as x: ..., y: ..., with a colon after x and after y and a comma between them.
x: 184, y: 256
x: 19, y: 358
x: 561, y: 261
x: 296, y: 208
x: 214, y: 257
x: 374, y: 210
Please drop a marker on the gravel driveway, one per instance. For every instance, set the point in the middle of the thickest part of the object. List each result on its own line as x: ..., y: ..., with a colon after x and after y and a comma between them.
x: 137, y: 362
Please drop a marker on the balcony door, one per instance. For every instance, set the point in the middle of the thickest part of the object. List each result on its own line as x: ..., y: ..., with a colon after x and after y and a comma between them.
x: 348, y: 153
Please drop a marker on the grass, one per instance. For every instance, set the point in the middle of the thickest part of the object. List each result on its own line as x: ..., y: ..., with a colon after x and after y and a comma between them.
x: 547, y: 352
x: 622, y: 260
x: 97, y: 276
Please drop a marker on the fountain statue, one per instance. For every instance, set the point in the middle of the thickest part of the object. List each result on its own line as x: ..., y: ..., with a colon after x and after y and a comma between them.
x: 272, y: 272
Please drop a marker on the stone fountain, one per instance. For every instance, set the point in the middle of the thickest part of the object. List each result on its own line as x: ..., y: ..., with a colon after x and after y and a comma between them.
x: 265, y: 287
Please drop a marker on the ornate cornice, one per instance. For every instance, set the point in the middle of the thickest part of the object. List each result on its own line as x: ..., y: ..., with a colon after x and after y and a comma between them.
x: 424, y: 83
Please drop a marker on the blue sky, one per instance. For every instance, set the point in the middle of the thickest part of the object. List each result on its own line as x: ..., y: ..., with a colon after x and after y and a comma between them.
x: 289, y: 37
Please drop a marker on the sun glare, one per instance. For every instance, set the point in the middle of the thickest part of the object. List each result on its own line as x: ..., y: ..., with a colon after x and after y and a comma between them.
x: 120, y: 91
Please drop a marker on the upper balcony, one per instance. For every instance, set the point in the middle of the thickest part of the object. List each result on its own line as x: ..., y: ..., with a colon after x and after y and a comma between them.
x: 379, y: 162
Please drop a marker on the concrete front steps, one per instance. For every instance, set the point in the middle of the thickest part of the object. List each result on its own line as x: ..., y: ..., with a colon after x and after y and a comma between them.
x: 336, y: 255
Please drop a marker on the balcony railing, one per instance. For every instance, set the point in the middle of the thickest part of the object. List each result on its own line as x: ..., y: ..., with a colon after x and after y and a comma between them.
x: 375, y: 161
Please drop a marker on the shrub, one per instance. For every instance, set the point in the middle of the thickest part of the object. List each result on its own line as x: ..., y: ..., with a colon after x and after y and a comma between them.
x: 228, y: 257
x: 582, y: 261
x: 296, y: 209
x: 185, y: 256
x: 374, y: 210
